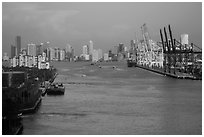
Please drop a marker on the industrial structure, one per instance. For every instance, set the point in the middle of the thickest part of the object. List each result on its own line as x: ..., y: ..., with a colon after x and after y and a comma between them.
x: 148, y: 52
x: 181, y: 57
x: 170, y: 57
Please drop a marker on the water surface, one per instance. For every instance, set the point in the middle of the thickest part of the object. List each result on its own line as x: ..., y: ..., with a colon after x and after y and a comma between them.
x: 110, y: 98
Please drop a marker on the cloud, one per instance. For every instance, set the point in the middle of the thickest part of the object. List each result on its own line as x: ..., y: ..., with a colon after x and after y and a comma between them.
x: 58, y: 21
x: 35, y: 16
x: 122, y: 27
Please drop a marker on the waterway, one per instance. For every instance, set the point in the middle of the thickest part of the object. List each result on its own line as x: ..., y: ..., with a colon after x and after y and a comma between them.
x: 112, y: 99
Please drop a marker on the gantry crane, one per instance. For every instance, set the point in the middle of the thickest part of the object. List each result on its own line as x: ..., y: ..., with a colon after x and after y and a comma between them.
x: 152, y: 55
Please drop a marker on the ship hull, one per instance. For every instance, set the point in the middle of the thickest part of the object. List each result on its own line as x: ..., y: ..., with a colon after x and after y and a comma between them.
x: 55, y: 91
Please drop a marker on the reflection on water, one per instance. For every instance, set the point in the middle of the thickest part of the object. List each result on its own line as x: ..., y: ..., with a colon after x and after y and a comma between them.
x: 118, y: 100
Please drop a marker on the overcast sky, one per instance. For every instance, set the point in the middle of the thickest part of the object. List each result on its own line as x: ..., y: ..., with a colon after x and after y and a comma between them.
x: 106, y: 24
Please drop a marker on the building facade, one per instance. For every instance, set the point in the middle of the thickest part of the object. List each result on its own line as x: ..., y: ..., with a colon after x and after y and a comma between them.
x: 90, y: 47
x: 85, y: 50
x: 18, y: 44
x: 13, y: 51
x: 31, y: 48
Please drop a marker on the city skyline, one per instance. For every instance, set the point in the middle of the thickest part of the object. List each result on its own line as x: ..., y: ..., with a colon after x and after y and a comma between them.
x: 78, y: 23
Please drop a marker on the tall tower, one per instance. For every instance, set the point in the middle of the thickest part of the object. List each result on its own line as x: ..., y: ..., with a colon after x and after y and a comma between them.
x: 115, y: 50
x: 95, y: 56
x: 13, y: 51
x: 68, y: 48
x: 90, y: 47
x: 121, y: 48
x: 39, y: 49
x: 85, y: 50
x: 18, y: 44
x: 132, y: 45
x: 31, y: 48
x: 100, y: 54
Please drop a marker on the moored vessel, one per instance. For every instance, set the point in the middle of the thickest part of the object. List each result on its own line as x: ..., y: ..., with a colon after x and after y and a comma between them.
x: 56, y: 89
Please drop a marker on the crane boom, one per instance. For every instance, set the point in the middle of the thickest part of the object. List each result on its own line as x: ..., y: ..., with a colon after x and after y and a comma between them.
x: 146, y: 37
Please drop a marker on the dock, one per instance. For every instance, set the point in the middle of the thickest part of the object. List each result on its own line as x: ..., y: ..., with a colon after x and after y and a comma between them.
x: 170, y: 57
x: 177, y: 75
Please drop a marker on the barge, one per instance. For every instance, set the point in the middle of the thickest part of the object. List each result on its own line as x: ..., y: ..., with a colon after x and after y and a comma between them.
x: 56, y: 89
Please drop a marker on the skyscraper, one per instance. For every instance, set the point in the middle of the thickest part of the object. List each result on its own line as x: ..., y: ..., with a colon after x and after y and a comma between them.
x: 121, y: 48
x: 51, y: 53
x: 95, y: 56
x: 100, y: 54
x: 132, y: 46
x: 24, y: 51
x: 115, y: 50
x: 105, y: 57
x: 57, y: 53
x: 5, y: 57
x: 68, y: 48
x: 13, y: 51
x: 68, y: 52
x: 85, y: 50
x: 62, y: 54
x: 31, y: 49
x: 39, y: 50
x: 184, y: 40
x: 72, y: 53
x: 18, y: 44
x: 90, y: 47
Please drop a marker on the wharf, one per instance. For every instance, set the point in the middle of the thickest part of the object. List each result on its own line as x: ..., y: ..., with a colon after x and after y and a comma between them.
x: 32, y: 109
x: 19, y: 130
x: 178, y: 75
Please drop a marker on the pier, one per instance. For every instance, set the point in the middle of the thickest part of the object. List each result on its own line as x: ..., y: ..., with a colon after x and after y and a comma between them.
x: 170, y: 57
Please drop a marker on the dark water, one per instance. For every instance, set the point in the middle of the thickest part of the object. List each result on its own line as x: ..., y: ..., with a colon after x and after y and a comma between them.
x: 117, y: 101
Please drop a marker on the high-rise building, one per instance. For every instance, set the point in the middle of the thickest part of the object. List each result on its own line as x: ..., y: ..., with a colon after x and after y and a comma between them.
x: 90, y: 47
x: 43, y: 56
x: 24, y: 51
x: 5, y: 57
x: 115, y: 50
x: 69, y: 52
x: 184, y: 40
x: 57, y: 54
x: 106, y: 58
x: 18, y: 44
x: 100, y: 54
x: 110, y: 54
x: 62, y: 54
x: 95, y: 56
x: 85, y: 50
x: 45, y: 45
x: 68, y: 48
x: 21, y: 60
x: 121, y: 48
x: 132, y: 46
x: 51, y: 53
x: 39, y: 50
x: 125, y: 49
x: 13, y: 51
x: 72, y: 53
x: 31, y: 48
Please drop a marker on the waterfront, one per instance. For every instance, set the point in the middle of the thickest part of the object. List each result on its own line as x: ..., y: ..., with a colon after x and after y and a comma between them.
x: 111, y: 98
